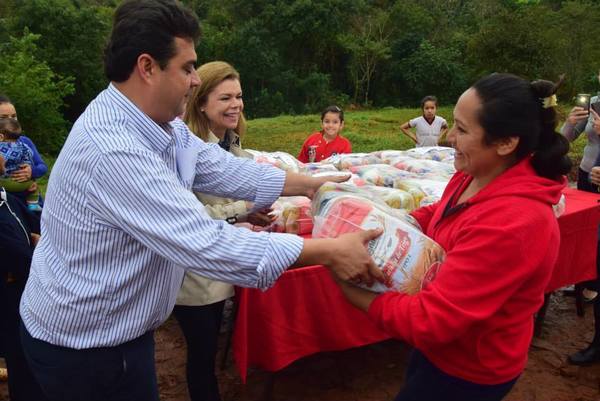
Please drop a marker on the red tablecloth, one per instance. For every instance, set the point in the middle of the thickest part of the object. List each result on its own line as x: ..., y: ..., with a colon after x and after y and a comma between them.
x: 305, y: 312
x: 578, y: 239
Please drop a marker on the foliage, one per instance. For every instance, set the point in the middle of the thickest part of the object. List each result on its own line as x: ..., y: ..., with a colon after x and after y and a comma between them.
x: 36, y: 91
x: 297, y: 56
x: 73, y: 36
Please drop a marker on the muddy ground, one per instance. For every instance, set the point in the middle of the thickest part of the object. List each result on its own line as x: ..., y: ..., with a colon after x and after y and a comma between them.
x: 374, y: 372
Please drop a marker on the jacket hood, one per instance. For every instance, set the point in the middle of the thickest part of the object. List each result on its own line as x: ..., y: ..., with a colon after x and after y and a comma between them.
x: 521, y: 180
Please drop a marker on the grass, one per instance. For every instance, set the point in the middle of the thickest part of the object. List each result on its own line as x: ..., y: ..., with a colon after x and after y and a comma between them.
x: 368, y: 130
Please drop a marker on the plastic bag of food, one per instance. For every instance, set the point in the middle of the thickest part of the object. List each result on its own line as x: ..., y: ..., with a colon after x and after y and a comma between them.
x: 423, y: 166
x: 437, y: 153
x: 345, y: 161
x: 406, y: 256
x: 281, y: 160
x: 293, y: 215
x: 381, y: 175
x: 354, y: 179
x: 316, y: 168
x: 394, y: 198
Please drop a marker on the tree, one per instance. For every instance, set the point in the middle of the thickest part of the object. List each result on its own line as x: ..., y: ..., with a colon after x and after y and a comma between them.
x: 368, y: 46
x: 74, y: 34
x: 36, y: 91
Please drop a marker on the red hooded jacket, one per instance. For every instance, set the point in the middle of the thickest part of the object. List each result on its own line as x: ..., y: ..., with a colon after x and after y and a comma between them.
x: 474, y: 320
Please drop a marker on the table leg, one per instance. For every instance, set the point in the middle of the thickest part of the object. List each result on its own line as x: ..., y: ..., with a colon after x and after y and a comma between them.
x: 541, y: 315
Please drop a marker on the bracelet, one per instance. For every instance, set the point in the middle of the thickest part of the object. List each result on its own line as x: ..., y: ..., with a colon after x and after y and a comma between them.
x: 232, y: 220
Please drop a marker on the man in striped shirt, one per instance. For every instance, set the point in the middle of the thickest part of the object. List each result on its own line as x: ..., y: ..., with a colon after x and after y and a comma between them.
x: 121, y: 225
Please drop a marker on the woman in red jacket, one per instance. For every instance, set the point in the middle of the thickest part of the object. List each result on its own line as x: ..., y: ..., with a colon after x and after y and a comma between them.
x: 471, y: 326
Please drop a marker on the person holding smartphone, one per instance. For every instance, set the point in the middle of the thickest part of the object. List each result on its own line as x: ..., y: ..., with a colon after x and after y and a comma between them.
x: 584, y: 119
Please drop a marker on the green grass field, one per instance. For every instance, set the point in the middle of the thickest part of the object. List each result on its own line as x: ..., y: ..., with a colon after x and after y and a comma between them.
x: 368, y: 130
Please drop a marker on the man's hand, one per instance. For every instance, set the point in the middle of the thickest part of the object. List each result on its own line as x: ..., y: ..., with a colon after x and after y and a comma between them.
x: 298, y: 184
x: 346, y: 256
x: 350, y: 261
x: 23, y: 174
x: 318, y: 181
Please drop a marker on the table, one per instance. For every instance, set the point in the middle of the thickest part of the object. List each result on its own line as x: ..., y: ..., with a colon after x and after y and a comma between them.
x: 305, y: 311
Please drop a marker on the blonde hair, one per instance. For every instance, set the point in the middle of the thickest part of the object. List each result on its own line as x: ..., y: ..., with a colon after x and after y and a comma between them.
x: 211, y: 75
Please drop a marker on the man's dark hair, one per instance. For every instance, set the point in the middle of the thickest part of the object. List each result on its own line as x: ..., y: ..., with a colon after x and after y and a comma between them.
x: 146, y: 26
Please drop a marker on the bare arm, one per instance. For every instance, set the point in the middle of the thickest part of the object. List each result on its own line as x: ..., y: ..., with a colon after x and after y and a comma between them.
x: 406, y: 130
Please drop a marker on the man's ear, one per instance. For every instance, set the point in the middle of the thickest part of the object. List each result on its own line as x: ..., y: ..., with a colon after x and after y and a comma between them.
x: 146, y: 67
x: 506, y: 146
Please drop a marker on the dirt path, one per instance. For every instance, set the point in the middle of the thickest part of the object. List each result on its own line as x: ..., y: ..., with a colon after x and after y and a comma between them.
x: 374, y: 372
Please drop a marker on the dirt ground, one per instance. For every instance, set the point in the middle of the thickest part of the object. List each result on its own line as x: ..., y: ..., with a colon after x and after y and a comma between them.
x: 374, y: 372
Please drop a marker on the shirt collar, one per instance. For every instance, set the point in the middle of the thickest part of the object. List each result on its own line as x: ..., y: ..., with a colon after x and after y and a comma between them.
x: 158, y: 136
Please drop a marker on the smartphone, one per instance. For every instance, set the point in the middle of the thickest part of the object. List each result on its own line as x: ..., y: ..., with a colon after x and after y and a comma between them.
x: 583, y: 100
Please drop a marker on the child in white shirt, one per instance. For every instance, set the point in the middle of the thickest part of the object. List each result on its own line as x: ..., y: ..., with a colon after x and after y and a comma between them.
x: 429, y: 127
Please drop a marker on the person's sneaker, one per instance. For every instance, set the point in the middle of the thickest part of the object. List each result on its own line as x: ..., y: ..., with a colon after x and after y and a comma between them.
x: 586, y: 356
x: 34, y: 207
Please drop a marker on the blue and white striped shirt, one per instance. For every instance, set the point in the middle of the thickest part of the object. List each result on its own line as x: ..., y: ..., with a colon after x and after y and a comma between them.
x: 120, y: 226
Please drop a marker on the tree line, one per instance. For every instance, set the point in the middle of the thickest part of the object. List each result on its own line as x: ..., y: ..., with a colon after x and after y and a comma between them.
x: 297, y: 56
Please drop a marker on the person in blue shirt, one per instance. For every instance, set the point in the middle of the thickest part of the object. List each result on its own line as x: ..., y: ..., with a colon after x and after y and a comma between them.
x: 38, y: 168
x: 121, y: 223
x: 16, y: 154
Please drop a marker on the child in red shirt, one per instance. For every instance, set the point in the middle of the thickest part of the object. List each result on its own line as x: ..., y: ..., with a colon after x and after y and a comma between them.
x: 327, y: 142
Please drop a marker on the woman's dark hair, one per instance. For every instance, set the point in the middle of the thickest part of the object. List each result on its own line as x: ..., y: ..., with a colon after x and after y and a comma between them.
x: 5, y: 99
x: 428, y: 99
x: 333, y: 109
x: 146, y: 26
x: 514, y: 107
x: 9, y: 126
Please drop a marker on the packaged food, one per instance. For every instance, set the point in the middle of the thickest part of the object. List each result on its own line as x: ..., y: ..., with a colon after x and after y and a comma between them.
x: 406, y: 256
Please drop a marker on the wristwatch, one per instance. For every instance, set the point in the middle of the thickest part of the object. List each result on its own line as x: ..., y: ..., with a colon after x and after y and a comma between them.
x: 232, y: 219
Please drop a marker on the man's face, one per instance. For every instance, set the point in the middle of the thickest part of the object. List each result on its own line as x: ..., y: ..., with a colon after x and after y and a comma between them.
x: 7, y: 110
x: 176, y: 82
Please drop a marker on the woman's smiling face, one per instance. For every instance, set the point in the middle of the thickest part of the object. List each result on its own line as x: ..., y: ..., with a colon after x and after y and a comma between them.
x: 473, y: 156
x: 224, y: 106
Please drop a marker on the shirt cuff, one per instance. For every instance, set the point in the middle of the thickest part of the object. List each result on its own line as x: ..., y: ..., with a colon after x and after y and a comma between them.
x: 270, y: 187
x: 282, y: 252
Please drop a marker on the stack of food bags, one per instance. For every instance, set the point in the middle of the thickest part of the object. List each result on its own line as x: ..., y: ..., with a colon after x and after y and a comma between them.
x: 406, y: 256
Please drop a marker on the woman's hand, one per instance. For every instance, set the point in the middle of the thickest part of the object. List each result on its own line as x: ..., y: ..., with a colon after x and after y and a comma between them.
x: 577, y: 114
x: 261, y: 218
x: 23, y: 174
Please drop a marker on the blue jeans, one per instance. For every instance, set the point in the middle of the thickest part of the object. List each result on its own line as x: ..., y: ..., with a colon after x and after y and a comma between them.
x: 121, y: 373
x: 424, y: 381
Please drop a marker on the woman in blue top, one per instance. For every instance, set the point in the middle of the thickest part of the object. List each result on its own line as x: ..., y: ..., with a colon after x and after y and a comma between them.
x: 38, y: 168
